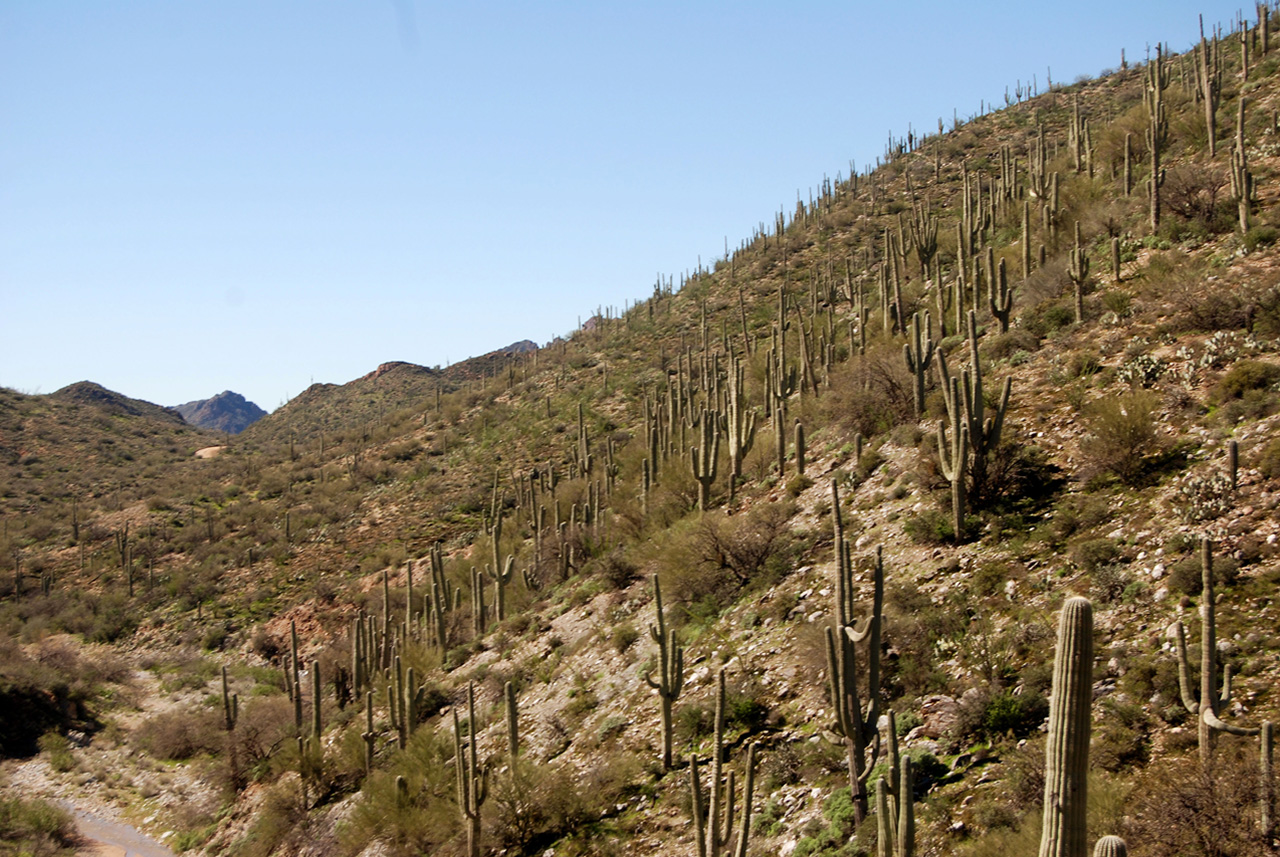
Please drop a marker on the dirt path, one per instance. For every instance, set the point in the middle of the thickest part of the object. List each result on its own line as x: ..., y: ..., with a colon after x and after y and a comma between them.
x: 111, y: 838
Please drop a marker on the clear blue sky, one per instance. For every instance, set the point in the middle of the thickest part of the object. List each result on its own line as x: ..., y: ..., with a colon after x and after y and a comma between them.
x: 255, y: 195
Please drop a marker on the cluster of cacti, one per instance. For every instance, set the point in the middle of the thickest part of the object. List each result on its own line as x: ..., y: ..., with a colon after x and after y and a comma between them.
x: 714, y: 827
x: 974, y: 435
x: 706, y: 399
x: 896, y: 834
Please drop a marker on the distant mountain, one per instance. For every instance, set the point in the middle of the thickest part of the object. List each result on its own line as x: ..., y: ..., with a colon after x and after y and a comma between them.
x: 391, y: 387
x: 226, y: 412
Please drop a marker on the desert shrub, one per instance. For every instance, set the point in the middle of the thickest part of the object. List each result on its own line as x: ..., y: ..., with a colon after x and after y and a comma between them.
x: 415, y: 821
x: 622, y: 636
x: 1268, y: 461
x: 1122, y: 741
x: 871, y: 394
x: 1108, y: 583
x: 1017, y: 476
x: 1005, y: 345
x: 930, y: 527
x: 748, y: 547
x: 991, y: 713
x: 1193, y: 192
x: 1078, y: 512
x: 1016, y: 714
x: 181, y: 734
x: 616, y: 568
x: 834, y: 839
x: 1182, y: 807
x: 1090, y: 554
x: 58, y: 749
x: 1048, y: 318
x: 534, y: 805
x: 1123, y: 439
x: 989, y: 578
x: 1246, y: 376
x: 48, y: 690
x: 263, y: 725
x: 35, y: 828
x: 1082, y: 364
x: 1187, y: 574
x: 1259, y: 236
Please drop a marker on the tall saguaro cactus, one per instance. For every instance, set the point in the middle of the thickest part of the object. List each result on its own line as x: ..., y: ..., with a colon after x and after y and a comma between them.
x: 966, y: 407
x: 670, y: 671
x: 473, y: 778
x: 857, y: 708
x: 714, y: 831
x: 1066, y: 752
x: 1078, y: 270
x: 705, y: 456
x: 919, y: 356
x: 1210, y: 701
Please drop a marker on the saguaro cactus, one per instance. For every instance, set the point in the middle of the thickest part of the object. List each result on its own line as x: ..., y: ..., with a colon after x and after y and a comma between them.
x: 513, y: 720
x: 705, y: 456
x: 740, y: 424
x: 1266, y: 781
x: 670, y: 671
x: 501, y: 577
x: 714, y: 831
x: 1067, y: 750
x: 1210, y: 700
x: 230, y: 704
x: 919, y: 357
x: 856, y: 713
x: 1110, y: 846
x: 1078, y: 270
x: 473, y: 778
x: 897, y: 831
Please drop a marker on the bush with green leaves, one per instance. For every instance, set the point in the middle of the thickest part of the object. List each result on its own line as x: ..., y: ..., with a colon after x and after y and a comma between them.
x: 1122, y: 440
x: 35, y: 828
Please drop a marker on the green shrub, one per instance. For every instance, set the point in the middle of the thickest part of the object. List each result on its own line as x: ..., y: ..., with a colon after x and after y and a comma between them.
x: 930, y: 527
x: 1259, y: 236
x: 1187, y: 574
x: 1268, y: 462
x: 58, y: 748
x: 1090, y: 554
x: 623, y: 636
x: 34, y: 828
x: 1244, y: 376
x: 1123, y: 439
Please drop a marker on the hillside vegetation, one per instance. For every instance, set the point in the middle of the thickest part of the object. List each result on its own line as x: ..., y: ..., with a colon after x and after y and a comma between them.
x: 873, y: 461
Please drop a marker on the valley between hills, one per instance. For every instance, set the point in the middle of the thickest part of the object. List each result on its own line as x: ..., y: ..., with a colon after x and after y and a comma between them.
x: 939, y: 516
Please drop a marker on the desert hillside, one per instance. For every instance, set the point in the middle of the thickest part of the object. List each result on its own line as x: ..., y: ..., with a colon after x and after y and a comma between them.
x: 776, y: 559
